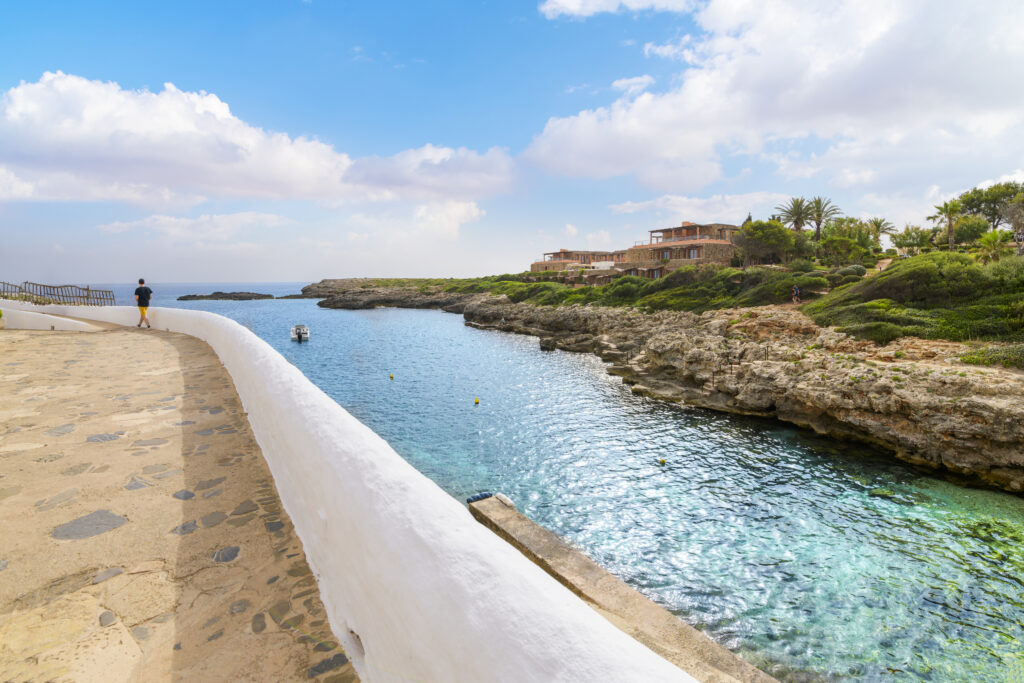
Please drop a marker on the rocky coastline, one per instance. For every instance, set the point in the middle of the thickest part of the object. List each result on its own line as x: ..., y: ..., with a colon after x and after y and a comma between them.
x: 225, y: 296
x: 913, y: 398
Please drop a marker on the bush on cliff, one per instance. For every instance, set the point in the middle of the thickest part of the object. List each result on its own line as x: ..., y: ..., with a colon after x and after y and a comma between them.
x: 937, y: 295
x: 1010, y: 356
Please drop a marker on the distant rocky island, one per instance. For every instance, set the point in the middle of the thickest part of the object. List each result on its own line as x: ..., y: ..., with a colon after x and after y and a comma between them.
x: 225, y: 296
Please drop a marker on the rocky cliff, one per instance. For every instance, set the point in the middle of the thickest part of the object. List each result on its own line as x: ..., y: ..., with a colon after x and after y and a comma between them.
x: 912, y: 397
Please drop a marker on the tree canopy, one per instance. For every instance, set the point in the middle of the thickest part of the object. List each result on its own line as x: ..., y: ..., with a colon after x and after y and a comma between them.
x: 913, y: 239
x: 822, y: 210
x: 989, y: 202
x: 969, y: 228
x: 796, y: 213
x: 764, y: 240
x: 947, y: 212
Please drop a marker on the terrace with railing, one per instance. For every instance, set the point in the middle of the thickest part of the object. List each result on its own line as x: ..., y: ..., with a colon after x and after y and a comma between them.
x: 658, y: 239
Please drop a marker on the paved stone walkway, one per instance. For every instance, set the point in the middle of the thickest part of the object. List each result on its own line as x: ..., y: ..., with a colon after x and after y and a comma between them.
x: 142, y: 536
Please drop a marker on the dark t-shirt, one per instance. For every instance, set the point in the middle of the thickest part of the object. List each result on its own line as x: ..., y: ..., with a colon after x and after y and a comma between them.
x: 143, y: 293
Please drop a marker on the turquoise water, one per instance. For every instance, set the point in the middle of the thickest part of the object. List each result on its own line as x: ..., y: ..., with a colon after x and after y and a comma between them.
x: 763, y: 536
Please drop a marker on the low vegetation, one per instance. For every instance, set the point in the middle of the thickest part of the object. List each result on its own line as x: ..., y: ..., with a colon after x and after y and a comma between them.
x: 937, y: 296
x: 1009, y: 356
x: 691, y: 288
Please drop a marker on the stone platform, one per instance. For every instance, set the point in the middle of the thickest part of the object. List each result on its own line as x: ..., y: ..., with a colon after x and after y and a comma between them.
x: 142, y: 536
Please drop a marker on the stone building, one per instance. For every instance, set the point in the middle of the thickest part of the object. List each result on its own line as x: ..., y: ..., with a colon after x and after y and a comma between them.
x: 567, y: 259
x: 665, y: 250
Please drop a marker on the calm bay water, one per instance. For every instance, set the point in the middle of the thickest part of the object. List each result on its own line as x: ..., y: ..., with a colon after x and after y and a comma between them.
x: 765, y: 537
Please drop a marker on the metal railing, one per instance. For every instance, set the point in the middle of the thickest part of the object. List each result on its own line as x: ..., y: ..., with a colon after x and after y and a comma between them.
x: 683, y: 238
x: 57, y: 294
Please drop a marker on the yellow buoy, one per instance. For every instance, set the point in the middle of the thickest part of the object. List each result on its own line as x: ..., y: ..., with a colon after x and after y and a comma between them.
x: 662, y: 461
x: 476, y: 402
x: 391, y: 376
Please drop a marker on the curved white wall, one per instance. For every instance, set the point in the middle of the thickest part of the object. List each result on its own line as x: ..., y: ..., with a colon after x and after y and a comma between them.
x: 431, y: 594
x: 27, y: 320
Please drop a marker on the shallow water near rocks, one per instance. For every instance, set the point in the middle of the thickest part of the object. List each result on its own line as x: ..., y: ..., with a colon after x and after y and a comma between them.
x: 808, y: 556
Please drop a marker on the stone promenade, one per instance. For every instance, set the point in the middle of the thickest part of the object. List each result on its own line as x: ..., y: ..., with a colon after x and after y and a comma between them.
x: 141, y: 536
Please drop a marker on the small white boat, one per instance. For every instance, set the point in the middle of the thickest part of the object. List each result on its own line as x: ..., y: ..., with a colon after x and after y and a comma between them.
x: 300, y: 333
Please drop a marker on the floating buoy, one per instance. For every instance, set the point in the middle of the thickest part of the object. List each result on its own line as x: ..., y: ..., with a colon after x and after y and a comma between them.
x: 391, y: 376
x: 662, y: 461
x: 476, y: 402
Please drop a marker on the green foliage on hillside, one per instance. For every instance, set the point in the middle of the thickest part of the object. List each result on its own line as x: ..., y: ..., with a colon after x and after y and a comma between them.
x: 690, y: 288
x: 936, y: 296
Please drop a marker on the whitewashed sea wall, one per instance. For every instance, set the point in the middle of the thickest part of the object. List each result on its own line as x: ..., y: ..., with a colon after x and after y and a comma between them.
x: 14, y: 319
x: 415, y: 589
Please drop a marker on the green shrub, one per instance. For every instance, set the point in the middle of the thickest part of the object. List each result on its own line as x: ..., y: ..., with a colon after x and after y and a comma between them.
x: 1008, y: 356
x: 847, y: 279
x: 855, y: 269
x: 833, y: 279
x: 929, y: 278
x: 880, y: 333
x: 801, y: 265
x: 937, y: 295
x: 1008, y: 272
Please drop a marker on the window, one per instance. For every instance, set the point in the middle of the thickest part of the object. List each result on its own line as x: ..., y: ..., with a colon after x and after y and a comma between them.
x: 694, y: 253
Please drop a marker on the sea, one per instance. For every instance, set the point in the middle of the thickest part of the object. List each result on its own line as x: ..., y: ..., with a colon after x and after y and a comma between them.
x: 812, y: 558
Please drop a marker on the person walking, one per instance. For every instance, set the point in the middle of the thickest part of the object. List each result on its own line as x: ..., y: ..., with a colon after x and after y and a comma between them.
x: 796, y: 294
x: 143, y: 294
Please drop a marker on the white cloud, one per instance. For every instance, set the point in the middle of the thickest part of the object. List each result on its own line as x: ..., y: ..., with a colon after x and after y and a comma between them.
x: 208, y: 227
x: 69, y: 138
x: 721, y: 208
x: 443, y: 219
x: 13, y: 187
x: 635, y: 85
x: 679, y: 50
x: 571, y: 230
x: 431, y: 171
x: 1014, y: 177
x: 415, y: 227
x: 877, y: 94
x: 849, y: 177
x: 585, y: 8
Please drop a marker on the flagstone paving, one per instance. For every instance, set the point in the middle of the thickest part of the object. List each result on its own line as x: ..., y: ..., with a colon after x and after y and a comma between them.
x: 143, y: 538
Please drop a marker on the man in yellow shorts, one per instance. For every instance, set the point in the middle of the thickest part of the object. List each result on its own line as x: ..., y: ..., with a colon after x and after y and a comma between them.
x: 142, y: 296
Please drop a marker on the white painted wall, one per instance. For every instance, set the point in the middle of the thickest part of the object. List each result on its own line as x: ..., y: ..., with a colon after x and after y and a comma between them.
x: 27, y: 320
x: 431, y: 594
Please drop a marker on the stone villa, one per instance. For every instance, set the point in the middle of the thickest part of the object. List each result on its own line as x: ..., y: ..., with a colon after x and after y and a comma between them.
x: 665, y: 250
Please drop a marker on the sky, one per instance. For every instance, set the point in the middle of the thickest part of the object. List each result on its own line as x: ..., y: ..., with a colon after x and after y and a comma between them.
x: 295, y: 140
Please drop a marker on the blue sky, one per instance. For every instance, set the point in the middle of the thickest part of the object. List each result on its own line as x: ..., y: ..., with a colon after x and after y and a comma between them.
x: 296, y: 140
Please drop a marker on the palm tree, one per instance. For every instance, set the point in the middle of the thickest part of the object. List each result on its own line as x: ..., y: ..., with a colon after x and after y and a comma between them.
x: 822, y: 210
x: 949, y: 212
x: 992, y: 245
x: 797, y: 213
x: 879, y: 227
